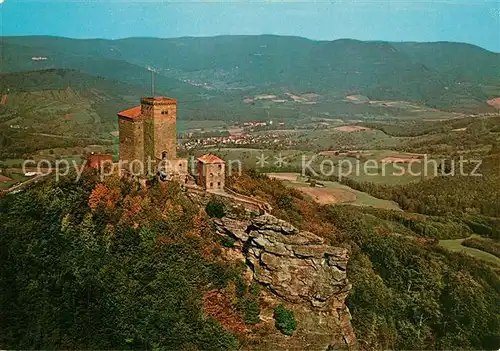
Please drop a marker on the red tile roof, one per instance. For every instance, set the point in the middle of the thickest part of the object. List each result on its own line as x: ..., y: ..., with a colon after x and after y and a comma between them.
x: 134, y: 112
x: 209, y: 158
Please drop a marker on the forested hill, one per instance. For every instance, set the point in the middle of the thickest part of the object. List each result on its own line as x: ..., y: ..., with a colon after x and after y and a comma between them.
x: 52, y: 79
x: 451, y: 76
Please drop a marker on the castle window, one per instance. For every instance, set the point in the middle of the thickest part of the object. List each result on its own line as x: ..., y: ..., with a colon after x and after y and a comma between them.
x: 164, y: 155
x: 164, y: 112
x: 220, y: 166
x: 211, y: 185
x: 218, y: 184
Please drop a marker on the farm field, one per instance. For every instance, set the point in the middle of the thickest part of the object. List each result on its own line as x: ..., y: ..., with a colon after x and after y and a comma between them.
x: 377, y: 166
x: 345, y: 165
x: 249, y: 157
x: 11, y: 162
x: 456, y: 245
x: 345, y: 138
x: 14, y: 179
x: 333, y: 192
x: 210, y: 125
x: 70, y: 154
x: 350, y: 128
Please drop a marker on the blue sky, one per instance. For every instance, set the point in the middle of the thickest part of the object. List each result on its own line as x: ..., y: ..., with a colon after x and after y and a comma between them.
x: 474, y: 21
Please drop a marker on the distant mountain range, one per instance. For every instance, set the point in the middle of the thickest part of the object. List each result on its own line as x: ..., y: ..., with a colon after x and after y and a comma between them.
x: 213, y: 76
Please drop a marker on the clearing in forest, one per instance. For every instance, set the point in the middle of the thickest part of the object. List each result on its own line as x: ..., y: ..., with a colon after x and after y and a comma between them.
x: 350, y: 129
x: 326, y: 196
x: 326, y: 192
x: 456, y: 245
x: 401, y: 159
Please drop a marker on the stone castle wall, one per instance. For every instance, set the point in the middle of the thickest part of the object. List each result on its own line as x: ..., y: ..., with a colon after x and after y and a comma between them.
x: 149, y: 140
x: 131, y: 142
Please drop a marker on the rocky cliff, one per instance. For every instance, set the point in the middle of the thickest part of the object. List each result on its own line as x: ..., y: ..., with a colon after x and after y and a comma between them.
x: 299, y: 270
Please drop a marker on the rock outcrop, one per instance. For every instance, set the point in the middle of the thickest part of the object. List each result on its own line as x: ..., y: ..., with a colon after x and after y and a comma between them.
x: 300, y: 270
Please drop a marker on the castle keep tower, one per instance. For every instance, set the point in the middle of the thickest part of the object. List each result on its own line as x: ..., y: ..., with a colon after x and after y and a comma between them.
x: 160, y: 127
x: 149, y: 132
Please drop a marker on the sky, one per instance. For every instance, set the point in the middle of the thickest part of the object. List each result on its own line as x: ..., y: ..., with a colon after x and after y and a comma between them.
x: 473, y: 21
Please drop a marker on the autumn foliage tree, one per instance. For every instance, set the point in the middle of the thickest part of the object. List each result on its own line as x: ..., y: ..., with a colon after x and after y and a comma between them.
x: 132, y: 206
x: 103, y: 195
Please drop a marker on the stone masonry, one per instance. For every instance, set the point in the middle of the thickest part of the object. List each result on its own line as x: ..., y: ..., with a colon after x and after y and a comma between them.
x: 149, y: 132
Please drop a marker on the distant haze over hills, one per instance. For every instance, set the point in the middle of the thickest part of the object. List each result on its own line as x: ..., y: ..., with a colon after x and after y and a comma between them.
x: 220, y: 72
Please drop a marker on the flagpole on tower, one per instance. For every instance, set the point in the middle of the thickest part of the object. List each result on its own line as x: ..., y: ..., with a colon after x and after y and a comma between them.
x: 152, y: 81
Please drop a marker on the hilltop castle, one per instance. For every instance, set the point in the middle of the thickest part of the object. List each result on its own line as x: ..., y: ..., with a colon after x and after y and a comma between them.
x: 148, y: 143
x: 148, y: 135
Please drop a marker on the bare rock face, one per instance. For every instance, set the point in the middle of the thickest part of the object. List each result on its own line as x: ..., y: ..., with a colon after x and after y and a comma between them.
x: 300, y: 270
